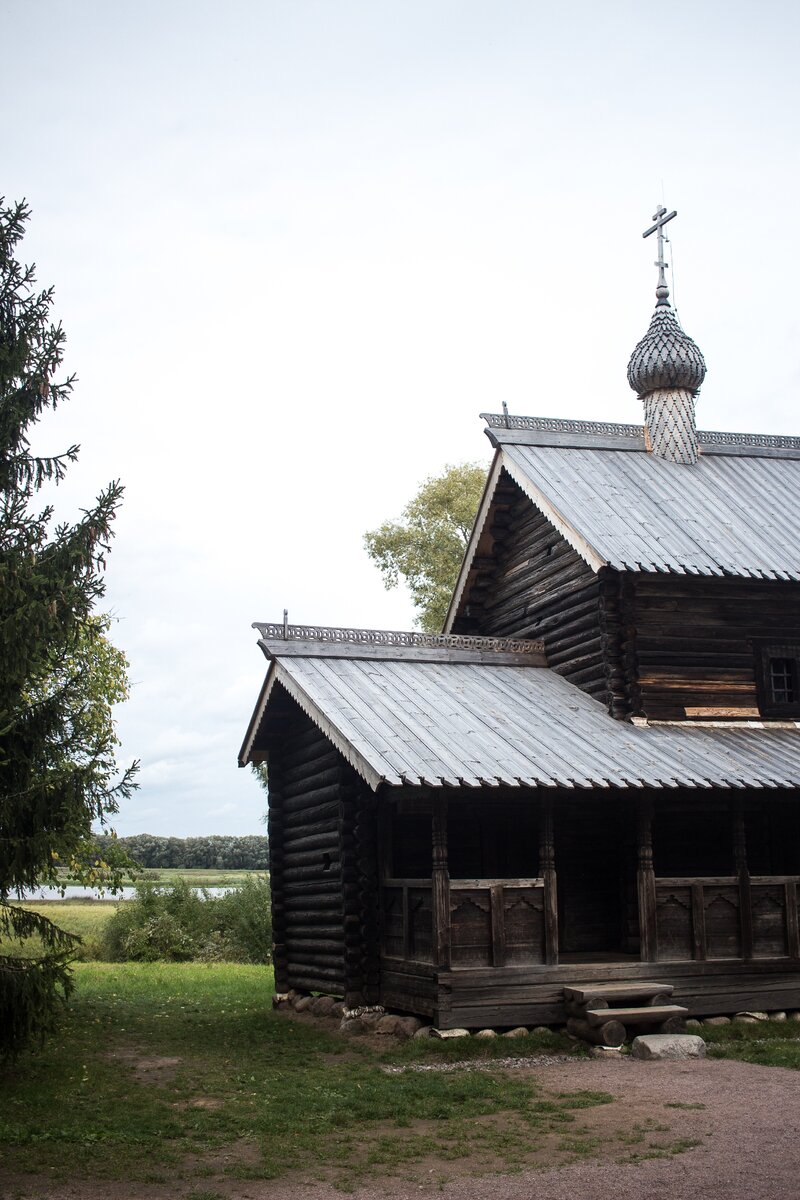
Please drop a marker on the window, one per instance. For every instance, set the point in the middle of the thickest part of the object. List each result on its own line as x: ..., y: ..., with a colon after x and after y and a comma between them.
x: 783, y: 680
x: 778, y: 676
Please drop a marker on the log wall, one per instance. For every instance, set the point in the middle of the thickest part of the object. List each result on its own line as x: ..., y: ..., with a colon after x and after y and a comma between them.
x: 694, y: 640
x: 323, y: 866
x: 535, y: 585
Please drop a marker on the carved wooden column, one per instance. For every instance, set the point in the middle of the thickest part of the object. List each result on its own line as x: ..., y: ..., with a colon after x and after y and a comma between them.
x: 440, y: 899
x: 646, y: 883
x: 743, y: 875
x: 547, y: 872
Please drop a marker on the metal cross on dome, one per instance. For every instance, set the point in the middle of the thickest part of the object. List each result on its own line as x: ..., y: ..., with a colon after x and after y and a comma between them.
x: 660, y: 216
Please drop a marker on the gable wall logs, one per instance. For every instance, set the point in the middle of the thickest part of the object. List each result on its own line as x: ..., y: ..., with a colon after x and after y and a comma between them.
x: 536, y: 586
x: 693, y: 645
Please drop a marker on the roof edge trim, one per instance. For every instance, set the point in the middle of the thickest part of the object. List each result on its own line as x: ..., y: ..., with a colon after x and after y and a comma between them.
x: 256, y: 718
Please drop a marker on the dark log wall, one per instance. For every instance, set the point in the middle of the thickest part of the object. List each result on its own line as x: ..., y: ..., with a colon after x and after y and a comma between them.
x: 535, y: 585
x: 694, y: 640
x: 323, y: 865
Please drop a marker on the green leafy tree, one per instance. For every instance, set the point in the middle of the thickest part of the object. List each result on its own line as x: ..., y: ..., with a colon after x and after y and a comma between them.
x: 426, y: 546
x: 59, y: 674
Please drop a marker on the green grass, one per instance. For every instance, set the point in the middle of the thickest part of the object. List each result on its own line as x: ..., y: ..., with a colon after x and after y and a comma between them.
x: 86, y: 918
x: 770, y: 1043
x: 297, y: 1096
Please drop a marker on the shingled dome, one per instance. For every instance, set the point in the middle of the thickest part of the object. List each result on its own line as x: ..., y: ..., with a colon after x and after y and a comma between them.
x: 666, y: 357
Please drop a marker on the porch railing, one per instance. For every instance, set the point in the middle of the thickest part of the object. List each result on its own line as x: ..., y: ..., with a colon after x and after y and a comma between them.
x: 725, y: 917
x: 493, y: 922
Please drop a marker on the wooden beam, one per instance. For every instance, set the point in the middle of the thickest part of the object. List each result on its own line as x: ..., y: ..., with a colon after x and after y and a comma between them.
x: 646, y: 883
x: 792, y: 927
x: 547, y: 871
x: 698, y: 922
x: 498, y: 925
x: 440, y: 899
x: 743, y: 876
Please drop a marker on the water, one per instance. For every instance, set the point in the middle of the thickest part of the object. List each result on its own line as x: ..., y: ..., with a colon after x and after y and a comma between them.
x: 73, y: 892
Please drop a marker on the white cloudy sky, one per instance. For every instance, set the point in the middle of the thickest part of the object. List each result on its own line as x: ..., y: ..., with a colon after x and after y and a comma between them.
x: 298, y: 246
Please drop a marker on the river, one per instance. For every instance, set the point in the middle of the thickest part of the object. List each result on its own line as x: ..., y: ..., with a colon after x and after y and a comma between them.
x: 73, y: 892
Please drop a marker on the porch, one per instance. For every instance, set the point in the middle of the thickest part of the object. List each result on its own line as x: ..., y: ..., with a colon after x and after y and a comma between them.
x: 608, y: 902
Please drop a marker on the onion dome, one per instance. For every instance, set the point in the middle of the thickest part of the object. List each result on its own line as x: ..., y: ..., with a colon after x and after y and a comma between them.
x: 666, y: 357
x: 666, y: 370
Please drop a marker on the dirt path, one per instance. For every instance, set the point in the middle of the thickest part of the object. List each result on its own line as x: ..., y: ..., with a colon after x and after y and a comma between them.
x: 745, y: 1120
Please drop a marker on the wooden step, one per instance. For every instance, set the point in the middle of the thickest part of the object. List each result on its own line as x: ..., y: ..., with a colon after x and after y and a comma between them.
x: 653, y: 1014
x: 614, y: 992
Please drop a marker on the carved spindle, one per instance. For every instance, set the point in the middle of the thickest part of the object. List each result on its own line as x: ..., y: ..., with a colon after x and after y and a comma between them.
x: 547, y: 872
x: 646, y: 884
x: 441, y: 885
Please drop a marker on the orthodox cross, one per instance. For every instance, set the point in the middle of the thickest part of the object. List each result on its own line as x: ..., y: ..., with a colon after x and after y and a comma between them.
x: 660, y: 216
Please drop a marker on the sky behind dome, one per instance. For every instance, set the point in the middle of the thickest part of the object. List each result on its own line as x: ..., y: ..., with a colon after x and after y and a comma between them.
x: 297, y: 247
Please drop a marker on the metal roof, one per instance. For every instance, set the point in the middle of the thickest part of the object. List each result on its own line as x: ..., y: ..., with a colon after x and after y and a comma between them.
x: 723, y: 515
x: 472, y: 724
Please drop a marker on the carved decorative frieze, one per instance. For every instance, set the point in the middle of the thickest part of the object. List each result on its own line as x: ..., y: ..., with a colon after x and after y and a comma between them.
x: 706, y: 437
x: 555, y: 425
x: 772, y: 441
x: 389, y: 637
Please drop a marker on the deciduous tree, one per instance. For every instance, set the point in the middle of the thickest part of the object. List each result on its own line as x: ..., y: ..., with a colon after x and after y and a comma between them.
x: 59, y: 674
x: 426, y: 546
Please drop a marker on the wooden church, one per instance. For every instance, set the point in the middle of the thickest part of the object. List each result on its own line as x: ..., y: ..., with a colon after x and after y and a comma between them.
x: 591, y: 778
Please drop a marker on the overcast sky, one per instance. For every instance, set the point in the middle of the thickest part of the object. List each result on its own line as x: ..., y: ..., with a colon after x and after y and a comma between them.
x: 299, y: 246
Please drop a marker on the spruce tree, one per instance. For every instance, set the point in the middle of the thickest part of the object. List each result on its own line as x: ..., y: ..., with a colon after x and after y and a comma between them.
x: 59, y: 674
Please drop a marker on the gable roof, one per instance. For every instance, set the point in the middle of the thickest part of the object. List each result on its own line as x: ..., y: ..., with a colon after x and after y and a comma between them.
x: 400, y: 720
x: 735, y: 512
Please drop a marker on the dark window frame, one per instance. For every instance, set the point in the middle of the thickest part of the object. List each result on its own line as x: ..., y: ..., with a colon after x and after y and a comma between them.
x: 765, y: 654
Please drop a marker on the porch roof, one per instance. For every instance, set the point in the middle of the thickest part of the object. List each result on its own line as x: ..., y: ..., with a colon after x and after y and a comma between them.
x: 402, y: 721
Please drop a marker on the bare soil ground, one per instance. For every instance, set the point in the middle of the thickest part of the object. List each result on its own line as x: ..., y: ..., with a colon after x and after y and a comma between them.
x: 706, y: 1130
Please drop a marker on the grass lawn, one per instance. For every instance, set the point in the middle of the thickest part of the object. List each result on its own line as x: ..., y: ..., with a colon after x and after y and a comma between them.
x: 198, y: 876
x: 181, y: 1076
x: 770, y: 1043
x: 163, y: 1070
x: 85, y: 918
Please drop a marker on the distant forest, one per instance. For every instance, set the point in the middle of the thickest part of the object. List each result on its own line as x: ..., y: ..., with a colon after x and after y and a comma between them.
x: 222, y: 853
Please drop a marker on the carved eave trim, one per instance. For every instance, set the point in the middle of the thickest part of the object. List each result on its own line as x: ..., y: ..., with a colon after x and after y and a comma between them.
x: 559, y: 522
x: 256, y: 719
x: 484, y: 508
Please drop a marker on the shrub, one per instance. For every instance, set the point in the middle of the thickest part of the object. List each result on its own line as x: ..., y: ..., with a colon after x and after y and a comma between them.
x: 246, y: 920
x: 179, y: 924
